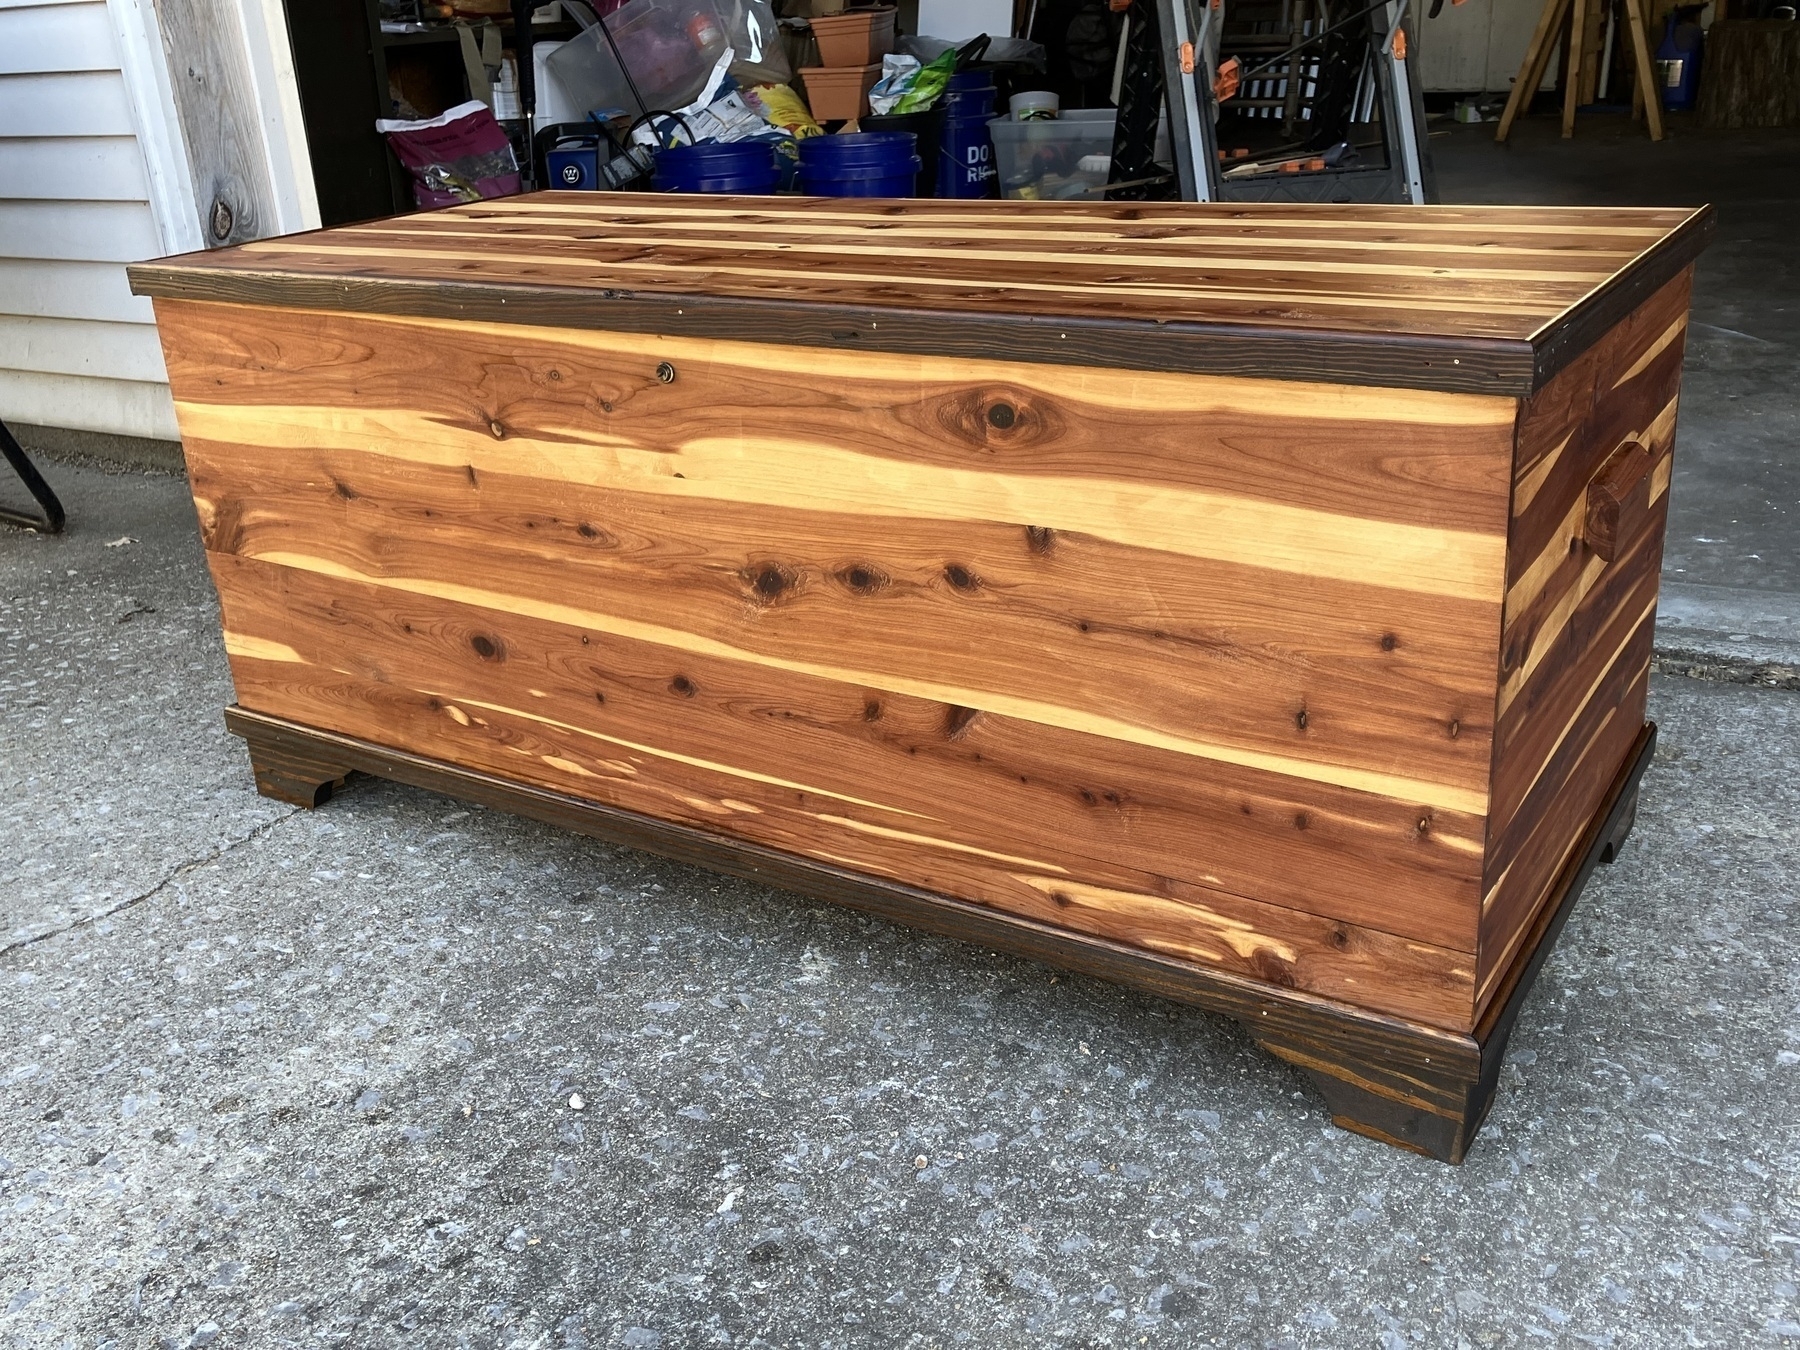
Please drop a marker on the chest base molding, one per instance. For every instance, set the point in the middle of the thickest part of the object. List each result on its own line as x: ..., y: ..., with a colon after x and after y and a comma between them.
x: 1403, y: 1083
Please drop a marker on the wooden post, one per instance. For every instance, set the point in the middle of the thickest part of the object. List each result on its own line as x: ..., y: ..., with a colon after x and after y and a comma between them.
x: 1571, y: 75
x: 218, y: 108
x: 1531, y: 70
x: 1646, y: 71
x: 1543, y: 42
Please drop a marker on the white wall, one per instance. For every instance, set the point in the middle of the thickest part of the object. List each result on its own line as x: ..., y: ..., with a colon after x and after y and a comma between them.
x: 77, y: 349
x: 95, y: 173
x: 1478, y: 46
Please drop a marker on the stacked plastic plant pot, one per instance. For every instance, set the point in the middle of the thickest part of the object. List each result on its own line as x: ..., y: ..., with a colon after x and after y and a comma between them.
x: 851, y: 46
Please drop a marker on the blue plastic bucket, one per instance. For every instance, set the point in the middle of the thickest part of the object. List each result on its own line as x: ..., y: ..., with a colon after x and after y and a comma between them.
x: 965, y: 150
x: 861, y: 164
x: 740, y: 166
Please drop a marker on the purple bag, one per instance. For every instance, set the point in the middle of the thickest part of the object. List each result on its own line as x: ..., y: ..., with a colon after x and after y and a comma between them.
x: 461, y: 155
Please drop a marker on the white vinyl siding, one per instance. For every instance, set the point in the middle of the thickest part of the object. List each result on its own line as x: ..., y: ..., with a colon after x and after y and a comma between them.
x: 77, y: 349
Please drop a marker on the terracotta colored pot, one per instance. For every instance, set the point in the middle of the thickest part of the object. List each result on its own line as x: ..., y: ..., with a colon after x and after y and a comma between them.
x: 838, y: 93
x: 855, y: 37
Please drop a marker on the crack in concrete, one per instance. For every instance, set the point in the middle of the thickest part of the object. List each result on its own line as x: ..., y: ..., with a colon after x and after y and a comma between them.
x: 178, y: 871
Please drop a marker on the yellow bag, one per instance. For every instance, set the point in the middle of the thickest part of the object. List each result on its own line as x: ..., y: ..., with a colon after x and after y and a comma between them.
x: 784, y: 108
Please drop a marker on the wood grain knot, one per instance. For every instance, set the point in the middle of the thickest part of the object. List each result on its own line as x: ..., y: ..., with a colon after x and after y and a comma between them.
x: 962, y: 578
x: 862, y: 578
x: 599, y: 536
x: 488, y: 648
x: 682, y: 686
x: 872, y: 711
x: 1040, y: 538
x: 1389, y: 642
x: 1000, y: 416
x: 769, y: 581
x: 1271, y: 968
x: 958, y: 720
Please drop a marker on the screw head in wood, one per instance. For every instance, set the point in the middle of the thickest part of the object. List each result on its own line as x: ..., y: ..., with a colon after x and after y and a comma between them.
x: 666, y: 373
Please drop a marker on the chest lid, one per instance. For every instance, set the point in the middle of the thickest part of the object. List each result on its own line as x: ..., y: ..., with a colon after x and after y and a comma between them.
x: 1482, y: 299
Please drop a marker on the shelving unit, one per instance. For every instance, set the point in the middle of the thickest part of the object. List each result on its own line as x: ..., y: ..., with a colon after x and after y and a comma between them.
x: 346, y: 68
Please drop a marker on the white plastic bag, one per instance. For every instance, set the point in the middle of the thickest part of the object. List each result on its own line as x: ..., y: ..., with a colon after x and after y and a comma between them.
x: 897, y: 75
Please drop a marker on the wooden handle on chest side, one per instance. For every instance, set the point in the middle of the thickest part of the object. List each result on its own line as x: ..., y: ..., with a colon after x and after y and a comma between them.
x: 1618, y: 498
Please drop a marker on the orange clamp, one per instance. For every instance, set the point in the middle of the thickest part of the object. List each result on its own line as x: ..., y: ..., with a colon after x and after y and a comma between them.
x: 1225, y: 83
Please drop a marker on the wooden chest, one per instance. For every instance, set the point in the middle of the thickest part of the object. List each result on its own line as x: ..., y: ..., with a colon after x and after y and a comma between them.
x: 1250, y: 603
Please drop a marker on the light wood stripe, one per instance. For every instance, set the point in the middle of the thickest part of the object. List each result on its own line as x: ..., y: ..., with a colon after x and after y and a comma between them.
x: 1646, y: 616
x: 1671, y: 334
x: 259, y: 648
x: 931, y: 841
x: 663, y: 272
x: 1497, y: 963
x: 1648, y: 224
x: 408, y: 246
x: 1533, y: 481
x: 767, y: 471
x: 1189, y: 243
x: 1395, y: 786
x: 692, y: 761
x: 1549, y: 631
x: 1659, y: 477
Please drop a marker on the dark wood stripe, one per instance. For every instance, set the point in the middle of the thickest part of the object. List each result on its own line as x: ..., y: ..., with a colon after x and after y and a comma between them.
x: 1454, y: 365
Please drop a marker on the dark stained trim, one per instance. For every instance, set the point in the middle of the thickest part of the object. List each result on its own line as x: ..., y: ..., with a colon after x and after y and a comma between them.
x: 1595, y: 316
x: 1456, y: 365
x: 1405, y: 1083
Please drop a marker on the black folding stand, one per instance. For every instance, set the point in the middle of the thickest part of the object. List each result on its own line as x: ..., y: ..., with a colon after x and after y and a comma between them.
x: 51, y: 522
